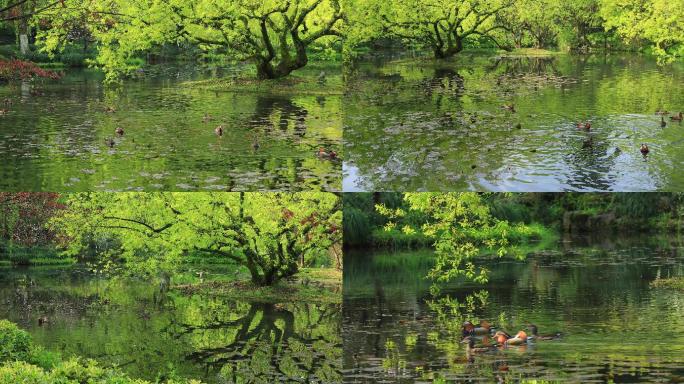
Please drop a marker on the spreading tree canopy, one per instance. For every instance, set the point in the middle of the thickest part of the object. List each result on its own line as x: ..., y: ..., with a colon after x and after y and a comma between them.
x: 660, y: 22
x: 274, y: 34
x: 441, y: 26
x: 271, y: 234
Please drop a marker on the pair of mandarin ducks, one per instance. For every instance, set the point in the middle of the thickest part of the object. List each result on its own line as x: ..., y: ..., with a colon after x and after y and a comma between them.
x: 470, y: 331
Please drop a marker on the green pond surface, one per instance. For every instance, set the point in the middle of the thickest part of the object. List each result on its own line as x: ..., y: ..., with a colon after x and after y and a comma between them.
x: 56, y: 135
x: 596, y: 293
x: 424, y: 125
x: 129, y: 324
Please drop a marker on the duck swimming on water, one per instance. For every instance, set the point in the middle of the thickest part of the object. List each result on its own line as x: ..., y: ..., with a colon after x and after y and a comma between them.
x: 323, y: 154
x: 644, y: 149
x: 519, y: 339
x: 503, y: 338
x: 469, y: 329
x: 509, y: 107
x: 585, y: 125
x: 471, y: 349
x: 536, y: 336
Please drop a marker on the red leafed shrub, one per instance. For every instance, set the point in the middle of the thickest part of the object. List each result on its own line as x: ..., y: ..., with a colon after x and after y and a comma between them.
x: 23, y: 70
x: 24, y: 215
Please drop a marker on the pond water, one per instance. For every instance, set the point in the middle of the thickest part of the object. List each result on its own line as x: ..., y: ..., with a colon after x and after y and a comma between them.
x: 130, y: 325
x: 614, y: 326
x: 418, y: 124
x: 57, y: 135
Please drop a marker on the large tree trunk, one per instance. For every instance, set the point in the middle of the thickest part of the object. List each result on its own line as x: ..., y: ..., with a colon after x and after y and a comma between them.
x: 23, y: 44
x: 267, y: 70
x: 267, y: 276
x: 445, y: 52
x: 23, y: 37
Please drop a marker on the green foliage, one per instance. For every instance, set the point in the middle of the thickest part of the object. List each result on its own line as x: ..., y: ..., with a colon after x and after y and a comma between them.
x: 22, y: 362
x: 640, y: 205
x: 280, y: 36
x: 660, y: 22
x: 357, y: 226
x: 271, y: 234
x: 15, y: 344
x: 72, y: 371
x: 670, y: 283
x: 394, y: 238
x: 446, y: 29
x: 362, y: 220
x: 442, y: 28
x: 461, y: 225
x: 273, y: 34
x: 43, y: 358
x: 509, y: 209
x: 46, y: 255
x: 24, y: 373
x: 71, y: 56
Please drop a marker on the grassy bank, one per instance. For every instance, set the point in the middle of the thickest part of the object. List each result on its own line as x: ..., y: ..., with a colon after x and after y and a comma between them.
x: 311, y: 285
x: 676, y: 283
x: 11, y: 255
x: 317, y: 78
x: 532, y: 52
x: 39, y: 261
x: 73, y: 56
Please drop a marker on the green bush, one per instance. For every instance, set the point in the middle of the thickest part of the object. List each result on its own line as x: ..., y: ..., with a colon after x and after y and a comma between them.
x: 15, y: 344
x: 73, y: 371
x: 19, y: 372
x: 78, y: 371
x: 43, y: 358
x: 24, y: 363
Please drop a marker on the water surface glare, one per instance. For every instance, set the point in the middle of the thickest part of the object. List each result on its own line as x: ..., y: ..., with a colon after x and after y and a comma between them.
x: 423, y: 125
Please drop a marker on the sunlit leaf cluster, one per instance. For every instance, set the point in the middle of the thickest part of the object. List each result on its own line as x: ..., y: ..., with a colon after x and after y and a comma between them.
x: 270, y: 234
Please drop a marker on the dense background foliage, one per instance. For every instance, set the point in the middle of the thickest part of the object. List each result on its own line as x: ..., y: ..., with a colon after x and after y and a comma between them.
x: 271, y: 235
x: 370, y: 219
x: 279, y: 36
